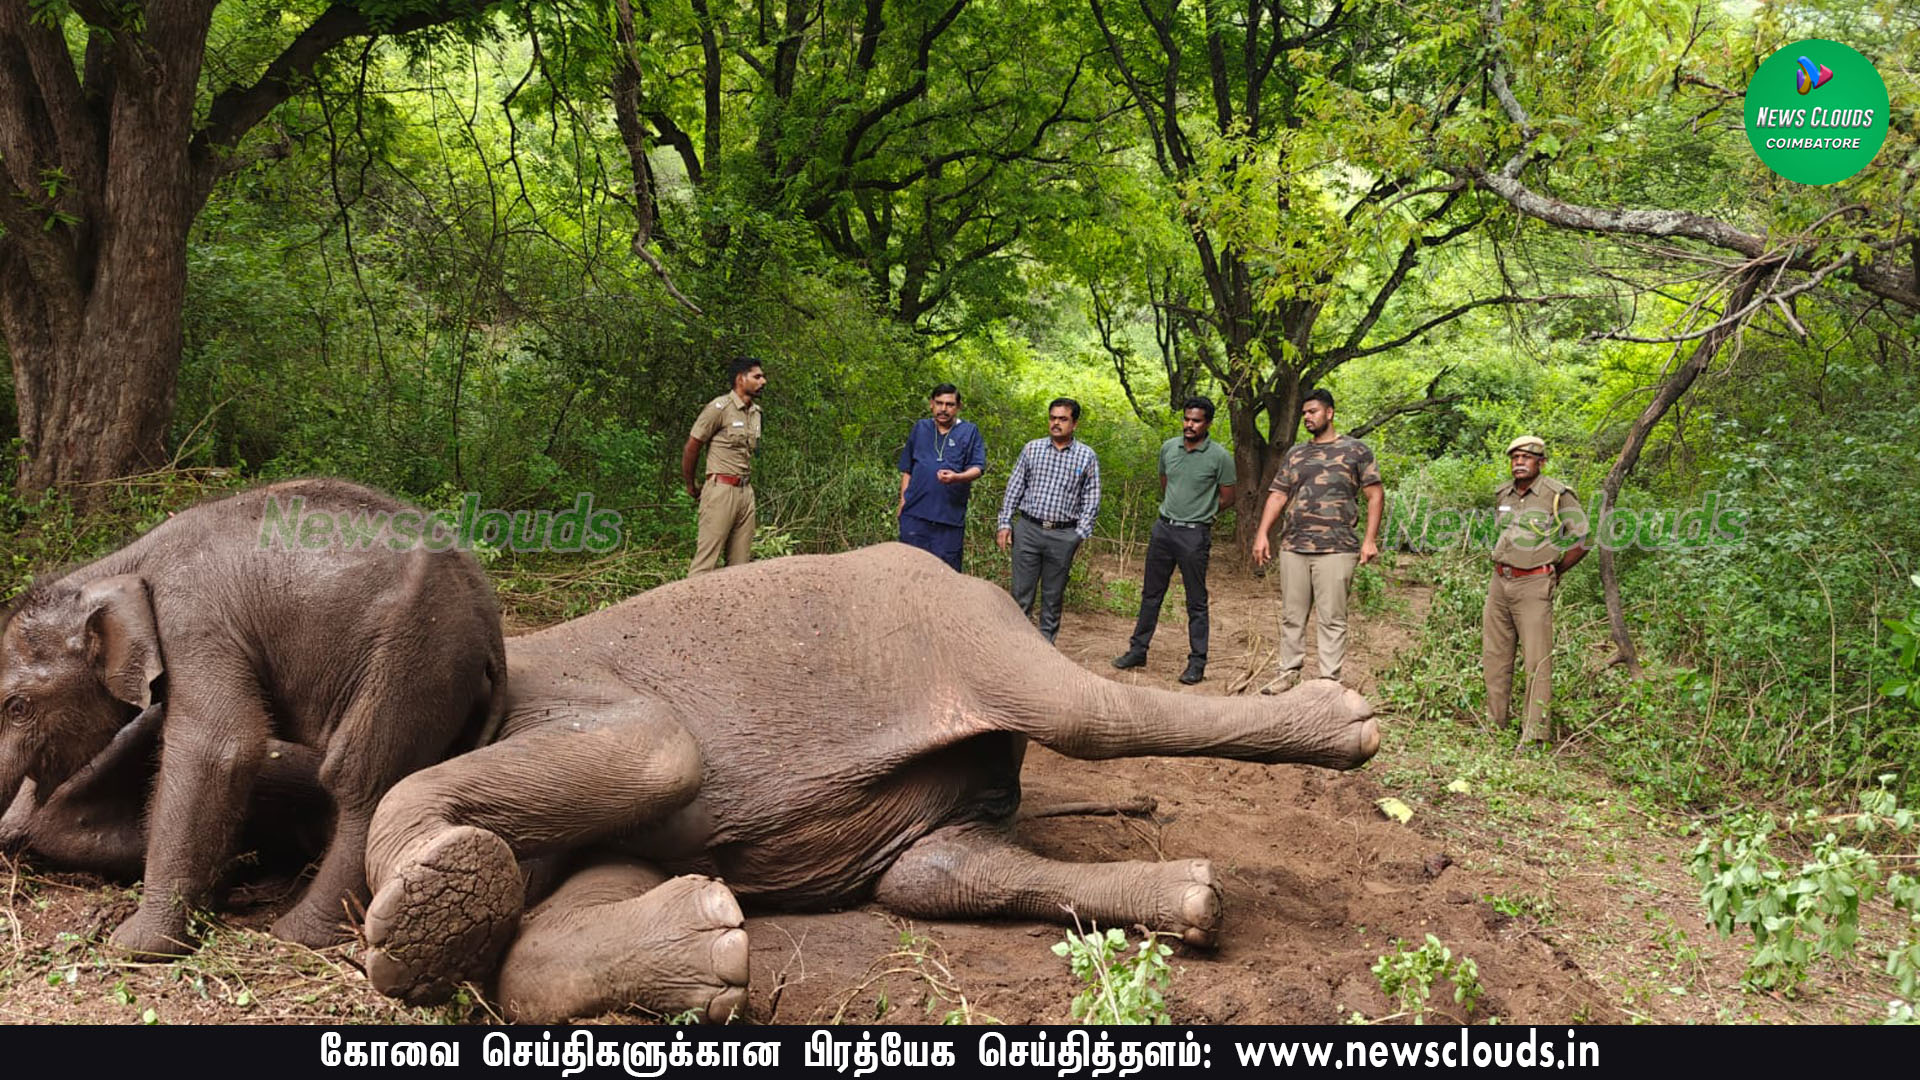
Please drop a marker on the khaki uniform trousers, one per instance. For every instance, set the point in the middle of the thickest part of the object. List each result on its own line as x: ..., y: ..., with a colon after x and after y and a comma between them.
x: 726, y: 526
x: 1319, y: 582
x: 1519, y: 609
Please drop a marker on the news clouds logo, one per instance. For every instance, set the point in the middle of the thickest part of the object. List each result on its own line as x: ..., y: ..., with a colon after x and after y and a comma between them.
x: 1817, y: 112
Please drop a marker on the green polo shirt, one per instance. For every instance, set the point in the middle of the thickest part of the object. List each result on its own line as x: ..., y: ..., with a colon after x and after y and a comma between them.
x: 1194, y: 479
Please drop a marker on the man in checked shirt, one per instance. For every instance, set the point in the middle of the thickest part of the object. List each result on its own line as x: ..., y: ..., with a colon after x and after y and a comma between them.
x: 1053, y: 496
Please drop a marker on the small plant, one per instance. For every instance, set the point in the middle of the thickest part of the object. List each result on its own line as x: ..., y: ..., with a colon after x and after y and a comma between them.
x: 1539, y: 909
x: 1797, y: 915
x: 921, y: 960
x: 1407, y: 976
x: 1122, y: 988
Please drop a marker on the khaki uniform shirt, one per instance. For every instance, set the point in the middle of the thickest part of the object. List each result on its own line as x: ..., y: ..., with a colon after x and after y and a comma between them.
x: 731, y: 429
x: 1529, y: 535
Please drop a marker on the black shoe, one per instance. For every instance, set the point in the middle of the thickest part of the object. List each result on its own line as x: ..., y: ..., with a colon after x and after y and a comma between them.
x: 1194, y: 673
x: 1133, y: 658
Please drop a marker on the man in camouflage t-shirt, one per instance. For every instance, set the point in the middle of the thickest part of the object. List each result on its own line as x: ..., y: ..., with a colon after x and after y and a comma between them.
x: 1319, y: 486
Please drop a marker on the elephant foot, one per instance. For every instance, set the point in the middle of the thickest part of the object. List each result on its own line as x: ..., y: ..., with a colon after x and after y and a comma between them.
x: 1351, y: 734
x: 679, y: 948
x: 310, y: 925
x: 146, y: 936
x: 1190, y: 902
x: 443, y: 916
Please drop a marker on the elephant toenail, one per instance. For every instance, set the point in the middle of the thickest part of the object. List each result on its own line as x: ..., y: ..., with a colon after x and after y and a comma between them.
x: 730, y: 954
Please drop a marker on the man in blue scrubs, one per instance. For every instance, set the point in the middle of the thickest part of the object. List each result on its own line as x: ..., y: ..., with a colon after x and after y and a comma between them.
x: 944, y: 455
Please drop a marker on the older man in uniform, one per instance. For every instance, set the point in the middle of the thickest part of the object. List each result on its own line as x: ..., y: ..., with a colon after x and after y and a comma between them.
x: 1543, y: 533
x: 729, y: 427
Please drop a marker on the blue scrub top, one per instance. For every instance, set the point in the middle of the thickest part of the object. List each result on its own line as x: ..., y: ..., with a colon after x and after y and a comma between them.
x: 926, y: 453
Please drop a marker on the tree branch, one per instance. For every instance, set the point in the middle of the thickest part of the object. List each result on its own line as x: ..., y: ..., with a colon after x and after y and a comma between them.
x: 1886, y: 282
x: 626, y: 102
x: 235, y: 110
x: 1433, y: 400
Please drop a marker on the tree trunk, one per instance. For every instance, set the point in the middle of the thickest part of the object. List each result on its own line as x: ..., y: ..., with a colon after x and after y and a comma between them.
x: 1670, y: 391
x: 95, y: 400
x: 104, y: 161
x: 1257, y: 457
x: 92, y: 305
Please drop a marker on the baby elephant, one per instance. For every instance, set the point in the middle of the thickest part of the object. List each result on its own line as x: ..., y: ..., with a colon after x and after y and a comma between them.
x: 302, y: 627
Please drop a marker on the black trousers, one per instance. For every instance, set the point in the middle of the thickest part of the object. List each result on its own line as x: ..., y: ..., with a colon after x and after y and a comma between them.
x: 1188, y: 549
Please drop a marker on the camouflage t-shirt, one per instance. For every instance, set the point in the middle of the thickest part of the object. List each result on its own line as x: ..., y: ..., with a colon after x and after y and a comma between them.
x: 1322, y: 483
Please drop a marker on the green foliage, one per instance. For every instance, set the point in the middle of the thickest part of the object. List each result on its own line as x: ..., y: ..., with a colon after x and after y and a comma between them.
x: 1903, y: 683
x: 1407, y: 976
x: 1523, y: 906
x: 1122, y: 987
x: 1798, y: 914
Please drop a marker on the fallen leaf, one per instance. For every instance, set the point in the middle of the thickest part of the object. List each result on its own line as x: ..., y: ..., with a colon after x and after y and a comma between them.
x: 1459, y: 787
x: 1395, y: 809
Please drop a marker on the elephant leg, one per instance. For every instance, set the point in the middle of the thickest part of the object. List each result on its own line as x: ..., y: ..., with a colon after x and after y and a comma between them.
x: 444, y: 848
x: 976, y: 870
x: 1063, y: 707
x: 619, y: 934
x: 382, y: 736
x: 214, y: 740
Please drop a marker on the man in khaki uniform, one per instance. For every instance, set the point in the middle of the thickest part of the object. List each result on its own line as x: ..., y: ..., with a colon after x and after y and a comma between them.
x: 729, y: 427
x: 1543, y: 533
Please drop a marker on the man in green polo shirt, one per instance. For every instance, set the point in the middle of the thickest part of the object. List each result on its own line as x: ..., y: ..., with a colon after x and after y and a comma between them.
x: 1196, y: 479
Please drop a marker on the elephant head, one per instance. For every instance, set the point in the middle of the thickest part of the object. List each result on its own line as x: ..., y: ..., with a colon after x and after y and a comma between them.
x: 77, y: 663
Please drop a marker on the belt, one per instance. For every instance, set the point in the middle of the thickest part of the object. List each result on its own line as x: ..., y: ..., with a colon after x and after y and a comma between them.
x: 1506, y: 571
x: 1045, y: 524
x: 1165, y: 520
x: 730, y: 481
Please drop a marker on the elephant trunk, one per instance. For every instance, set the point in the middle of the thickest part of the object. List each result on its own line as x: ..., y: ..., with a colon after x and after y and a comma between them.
x: 13, y: 772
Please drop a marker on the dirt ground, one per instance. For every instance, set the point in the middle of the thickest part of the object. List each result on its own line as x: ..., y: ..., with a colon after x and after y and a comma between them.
x: 1318, y: 883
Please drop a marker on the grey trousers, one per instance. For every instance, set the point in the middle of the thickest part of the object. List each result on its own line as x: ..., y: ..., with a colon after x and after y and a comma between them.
x: 1042, y: 557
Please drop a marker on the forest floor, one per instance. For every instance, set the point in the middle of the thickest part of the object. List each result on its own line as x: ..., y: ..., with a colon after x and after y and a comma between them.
x: 1571, y: 896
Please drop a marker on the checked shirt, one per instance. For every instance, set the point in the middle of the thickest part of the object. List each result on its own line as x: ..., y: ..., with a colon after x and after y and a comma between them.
x: 1054, y: 485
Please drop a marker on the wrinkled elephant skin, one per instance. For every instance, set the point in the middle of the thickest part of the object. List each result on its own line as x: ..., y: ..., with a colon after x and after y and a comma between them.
x: 813, y: 732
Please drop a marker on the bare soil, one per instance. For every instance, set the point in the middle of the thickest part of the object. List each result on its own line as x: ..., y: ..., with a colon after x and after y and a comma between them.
x: 1318, y: 883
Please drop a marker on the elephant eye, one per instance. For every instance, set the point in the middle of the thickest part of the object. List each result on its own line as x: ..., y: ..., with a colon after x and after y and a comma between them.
x: 17, y: 710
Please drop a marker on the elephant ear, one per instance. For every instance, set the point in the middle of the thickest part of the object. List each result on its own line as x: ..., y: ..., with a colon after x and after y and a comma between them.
x: 121, y: 637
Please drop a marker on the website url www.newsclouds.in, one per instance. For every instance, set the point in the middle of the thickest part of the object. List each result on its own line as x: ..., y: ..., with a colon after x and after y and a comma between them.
x: 1461, y: 1052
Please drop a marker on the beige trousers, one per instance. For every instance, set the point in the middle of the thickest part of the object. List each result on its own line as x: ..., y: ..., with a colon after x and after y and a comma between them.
x: 1519, y: 610
x: 726, y: 526
x: 1319, y: 582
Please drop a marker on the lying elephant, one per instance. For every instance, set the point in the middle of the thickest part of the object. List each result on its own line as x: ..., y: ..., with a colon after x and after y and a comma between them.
x: 813, y: 731
x: 277, y: 648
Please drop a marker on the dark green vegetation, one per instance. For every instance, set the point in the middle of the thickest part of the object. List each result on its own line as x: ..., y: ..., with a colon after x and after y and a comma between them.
x: 508, y: 248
